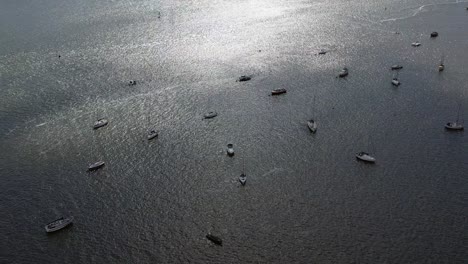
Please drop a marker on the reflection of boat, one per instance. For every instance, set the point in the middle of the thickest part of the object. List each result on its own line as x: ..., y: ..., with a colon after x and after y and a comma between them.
x: 455, y: 125
x: 397, y: 67
x: 217, y: 240
x: 100, y: 123
x: 278, y: 91
x: 230, y: 150
x: 96, y: 165
x: 152, y: 134
x: 343, y: 73
x: 210, y: 114
x: 365, y: 157
x: 244, y: 78
x: 434, y: 34
x: 58, y: 224
x: 416, y: 44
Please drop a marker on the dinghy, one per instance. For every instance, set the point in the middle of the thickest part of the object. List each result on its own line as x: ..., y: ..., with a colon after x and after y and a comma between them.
x: 230, y: 150
x: 243, y: 179
x: 100, y: 123
x: 396, y: 67
x: 434, y: 34
x: 217, y: 240
x: 244, y: 78
x: 58, y: 224
x: 278, y: 91
x: 343, y: 73
x: 415, y: 44
x: 210, y: 114
x: 365, y: 157
x: 312, y: 125
x: 152, y: 134
x: 441, y: 67
x: 395, y: 82
x: 453, y: 126
x: 96, y: 165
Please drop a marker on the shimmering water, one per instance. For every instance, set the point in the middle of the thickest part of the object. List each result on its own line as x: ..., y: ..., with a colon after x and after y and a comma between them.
x: 307, y: 200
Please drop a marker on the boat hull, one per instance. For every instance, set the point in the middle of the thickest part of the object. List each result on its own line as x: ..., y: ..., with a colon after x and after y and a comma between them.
x: 96, y: 166
x: 312, y: 126
x: 101, y: 123
x: 366, y: 158
x: 278, y: 92
x: 210, y: 115
x: 58, y: 224
x: 454, y: 127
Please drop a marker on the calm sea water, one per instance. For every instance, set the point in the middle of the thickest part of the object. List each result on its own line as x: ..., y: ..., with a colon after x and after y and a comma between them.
x: 307, y: 199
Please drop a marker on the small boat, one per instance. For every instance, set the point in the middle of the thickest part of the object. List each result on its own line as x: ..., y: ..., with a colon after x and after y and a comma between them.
x: 322, y: 52
x: 210, y: 114
x: 416, y: 44
x: 365, y: 157
x: 343, y: 73
x: 100, y: 123
x: 278, y: 91
x: 217, y: 240
x: 96, y: 165
x: 243, y: 179
x: 395, y: 82
x: 312, y: 125
x: 230, y: 150
x: 244, y: 78
x: 397, y: 67
x: 58, y: 224
x: 132, y: 82
x: 441, y: 67
x: 434, y: 34
x: 152, y: 134
x: 455, y: 125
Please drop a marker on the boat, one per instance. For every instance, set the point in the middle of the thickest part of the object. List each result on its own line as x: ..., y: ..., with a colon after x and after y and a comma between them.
x: 312, y: 125
x: 100, y: 123
x: 216, y: 240
x: 365, y: 157
x: 132, y: 82
x: 434, y: 34
x: 322, y: 52
x: 278, y: 91
x: 58, y: 224
x: 152, y: 134
x: 243, y: 179
x: 96, y: 165
x: 441, y: 64
x: 455, y: 125
x: 395, y: 82
x: 230, y: 149
x: 396, y: 67
x: 210, y: 114
x: 244, y: 78
x: 416, y: 44
x: 343, y: 73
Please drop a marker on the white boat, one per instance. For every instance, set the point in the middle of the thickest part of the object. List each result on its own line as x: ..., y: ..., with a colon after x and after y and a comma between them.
x: 312, y: 125
x: 58, y: 224
x: 365, y: 157
x: 210, y: 114
x: 416, y: 44
x: 278, y: 91
x: 230, y: 150
x: 455, y: 125
x: 100, y: 123
x: 396, y: 67
x: 395, y: 82
x: 152, y: 134
x: 343, y: 73
x: 96, y: 165
x: 441, y: 67
x: 243, y: 179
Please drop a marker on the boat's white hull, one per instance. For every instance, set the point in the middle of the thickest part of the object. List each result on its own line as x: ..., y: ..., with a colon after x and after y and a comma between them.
x: 395, y: 83
x: 100, y: 123
x: 312, y: 126
x: 230, y: 152
x: 152, y: 135
x: 366, y: 158
x: 96, y: 165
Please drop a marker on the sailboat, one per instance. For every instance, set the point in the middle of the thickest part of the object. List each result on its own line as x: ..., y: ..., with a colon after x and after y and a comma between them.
x: 455, y: 125
x: 441, y: 64
x: 243, y: 177
x: 311, y: 123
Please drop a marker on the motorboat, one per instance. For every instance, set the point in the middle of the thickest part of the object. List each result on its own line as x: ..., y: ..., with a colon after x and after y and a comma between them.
x: 312, y: 125
x: 434, y: 34
x: 396, y: 67
x: 230, y: 149
x: 58, y: 224
x: 244, y: 78
x: 216, y: 240
x: 441, y: 67
x: 395, y: 82
x: 243, y: 179
x: 152, y: 134
x: 454, y: 126
x: 210, y: 114
x: 416, y: 44
x: 96, y: 165
x: 100, y: 123
x: 365, y: 157
x: 343, y: 73
x: 322, y: 52
x: 278, y: 91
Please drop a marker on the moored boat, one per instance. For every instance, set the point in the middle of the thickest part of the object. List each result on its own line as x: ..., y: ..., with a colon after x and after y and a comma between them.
x: 396, y: 67
x: 395, y: 82
x: 96, y: 165
x: 278, y: 91
x: 100, y: 123
x: 434, y: 34
x: 453, y: 126
x: 416, y: 44
x: 210, y: 114
x: 243, y: 179
x: 244, y: 78
x: 343, y: 73
x: 312, y: 125
x: 58, y: 224
x: 230, y: 149
x: 152, y: 134
x: 216, y: 240
x: 365, y: 157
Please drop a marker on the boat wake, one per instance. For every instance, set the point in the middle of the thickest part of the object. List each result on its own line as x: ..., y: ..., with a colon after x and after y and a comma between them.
x: 420, y: 10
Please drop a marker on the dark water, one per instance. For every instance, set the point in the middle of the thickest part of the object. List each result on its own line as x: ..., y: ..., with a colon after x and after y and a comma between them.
x: 307, y: 199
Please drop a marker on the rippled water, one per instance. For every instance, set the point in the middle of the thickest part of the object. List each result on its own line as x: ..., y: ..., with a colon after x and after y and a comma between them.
x: 307, y: 200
